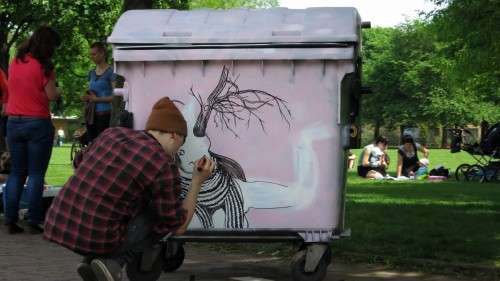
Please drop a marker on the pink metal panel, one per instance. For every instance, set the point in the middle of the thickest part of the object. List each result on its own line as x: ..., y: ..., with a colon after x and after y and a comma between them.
x: 273, y: 128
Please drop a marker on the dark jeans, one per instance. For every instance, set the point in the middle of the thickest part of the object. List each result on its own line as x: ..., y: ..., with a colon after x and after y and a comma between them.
x: 362, y: 170
x: 30, y: 143
x: 101, y: 123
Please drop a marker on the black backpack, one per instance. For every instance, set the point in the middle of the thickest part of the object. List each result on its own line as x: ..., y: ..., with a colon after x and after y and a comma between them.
x: 441, y: 171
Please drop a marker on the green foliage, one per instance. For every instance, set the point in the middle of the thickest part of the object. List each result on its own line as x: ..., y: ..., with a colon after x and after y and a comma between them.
x: 227, y: 4
x: 80, y: 23
x: 172, y: 4
x: 472, y: 29
x: 443, y: 70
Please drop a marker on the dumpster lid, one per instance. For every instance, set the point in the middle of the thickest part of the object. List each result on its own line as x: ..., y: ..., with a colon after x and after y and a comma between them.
x: 237, y: 26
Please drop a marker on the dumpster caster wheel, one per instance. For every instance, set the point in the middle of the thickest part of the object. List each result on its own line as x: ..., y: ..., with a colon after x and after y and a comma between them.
x: 297, y: 267
x: 135, y: 273
x: 171, y: 264
x: 327, y: 256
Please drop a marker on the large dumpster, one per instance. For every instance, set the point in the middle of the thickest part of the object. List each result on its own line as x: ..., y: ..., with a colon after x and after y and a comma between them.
x: 271, y: 96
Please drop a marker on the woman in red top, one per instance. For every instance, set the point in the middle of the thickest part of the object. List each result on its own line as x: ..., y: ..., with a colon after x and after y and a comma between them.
x: 30, y: 132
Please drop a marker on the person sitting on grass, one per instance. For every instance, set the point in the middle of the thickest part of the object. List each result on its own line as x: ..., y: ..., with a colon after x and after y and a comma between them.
x: 125, y: 195
x: 408, y: 156
x: 372, y: 162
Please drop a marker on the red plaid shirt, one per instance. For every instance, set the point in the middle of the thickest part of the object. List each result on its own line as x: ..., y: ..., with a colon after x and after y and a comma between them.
x: 90, y: 214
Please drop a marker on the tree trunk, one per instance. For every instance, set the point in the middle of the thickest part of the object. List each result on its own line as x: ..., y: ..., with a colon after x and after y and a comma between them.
x: 401, y: 132
x: 4, y: 52
x: 376, y: 132
x: 484, y: 128
x: 137, y: 4
x: 444, y: 137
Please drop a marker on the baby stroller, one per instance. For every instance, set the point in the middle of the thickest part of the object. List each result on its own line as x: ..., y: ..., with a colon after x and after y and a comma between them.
x: 486, y: 153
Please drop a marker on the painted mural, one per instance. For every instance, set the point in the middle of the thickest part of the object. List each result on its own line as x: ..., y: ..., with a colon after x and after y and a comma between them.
x: 272, y: 128
x: 228, y: 189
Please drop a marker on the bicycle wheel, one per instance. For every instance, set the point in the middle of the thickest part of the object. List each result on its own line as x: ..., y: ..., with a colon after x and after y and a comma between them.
x: 475, y: 173
x: 461, y: 171
x: 495, y: 175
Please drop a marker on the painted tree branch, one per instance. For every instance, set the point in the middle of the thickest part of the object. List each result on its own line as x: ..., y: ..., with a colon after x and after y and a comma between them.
x: 230, y: 105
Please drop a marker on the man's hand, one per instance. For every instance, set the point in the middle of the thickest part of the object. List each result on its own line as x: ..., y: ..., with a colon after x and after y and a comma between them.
x: 202, y: 169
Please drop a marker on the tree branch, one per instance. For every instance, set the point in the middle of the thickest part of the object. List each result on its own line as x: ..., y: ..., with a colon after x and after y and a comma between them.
x: 16, y: 34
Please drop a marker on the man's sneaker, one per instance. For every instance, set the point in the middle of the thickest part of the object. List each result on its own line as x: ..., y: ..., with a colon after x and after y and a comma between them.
x: 106, y: 269
x: 85, y: 271
x: 35, y: 228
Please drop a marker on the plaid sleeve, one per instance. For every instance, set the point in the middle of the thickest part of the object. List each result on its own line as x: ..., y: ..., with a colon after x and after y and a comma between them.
x: 167, y: 202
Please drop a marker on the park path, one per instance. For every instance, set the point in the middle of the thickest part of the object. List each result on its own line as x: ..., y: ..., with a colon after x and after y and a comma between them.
x: 28, y: 257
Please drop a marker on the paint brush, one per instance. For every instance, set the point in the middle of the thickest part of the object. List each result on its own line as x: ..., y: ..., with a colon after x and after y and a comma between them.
x: 202, y: 163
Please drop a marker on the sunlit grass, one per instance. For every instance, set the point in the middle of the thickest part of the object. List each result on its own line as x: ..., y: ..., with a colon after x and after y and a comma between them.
x: 60, y: 166
x: 448, y: 221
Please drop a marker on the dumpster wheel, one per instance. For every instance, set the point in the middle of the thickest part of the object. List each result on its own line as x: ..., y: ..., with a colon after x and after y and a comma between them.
x: 171, y: 264
x: 298, y: 263
x: 135, y: 273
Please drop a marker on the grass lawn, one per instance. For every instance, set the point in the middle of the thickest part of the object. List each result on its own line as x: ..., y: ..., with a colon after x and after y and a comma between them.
x: 60, y: 166
x: 447, y: 221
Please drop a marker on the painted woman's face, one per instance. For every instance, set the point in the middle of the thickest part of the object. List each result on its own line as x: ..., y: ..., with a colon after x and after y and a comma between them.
x: 192, y: 150
x: 195, y: 147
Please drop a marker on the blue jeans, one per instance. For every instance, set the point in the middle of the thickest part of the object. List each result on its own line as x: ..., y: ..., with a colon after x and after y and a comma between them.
x: 30, y: 143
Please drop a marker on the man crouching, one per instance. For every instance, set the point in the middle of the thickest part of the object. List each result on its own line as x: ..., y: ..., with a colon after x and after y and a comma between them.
x: 125, y: 195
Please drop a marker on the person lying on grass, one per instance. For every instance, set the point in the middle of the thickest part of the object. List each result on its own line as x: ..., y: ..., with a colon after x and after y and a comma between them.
x: 125, y: 195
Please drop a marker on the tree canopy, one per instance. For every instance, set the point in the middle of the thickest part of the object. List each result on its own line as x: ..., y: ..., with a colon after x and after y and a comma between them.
x: 80, y: 23
x: 441, y: 69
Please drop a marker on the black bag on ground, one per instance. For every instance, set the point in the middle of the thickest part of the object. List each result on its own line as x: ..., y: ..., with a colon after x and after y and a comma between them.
x: 441, y: 171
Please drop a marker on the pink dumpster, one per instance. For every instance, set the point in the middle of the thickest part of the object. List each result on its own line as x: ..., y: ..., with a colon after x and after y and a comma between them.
x: 271, y: 96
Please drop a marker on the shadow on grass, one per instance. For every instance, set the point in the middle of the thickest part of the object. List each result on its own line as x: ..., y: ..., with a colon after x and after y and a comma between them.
x: 448, y: 221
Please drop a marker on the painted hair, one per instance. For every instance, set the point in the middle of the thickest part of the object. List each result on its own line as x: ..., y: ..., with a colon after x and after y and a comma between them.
x: 41, y: 45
